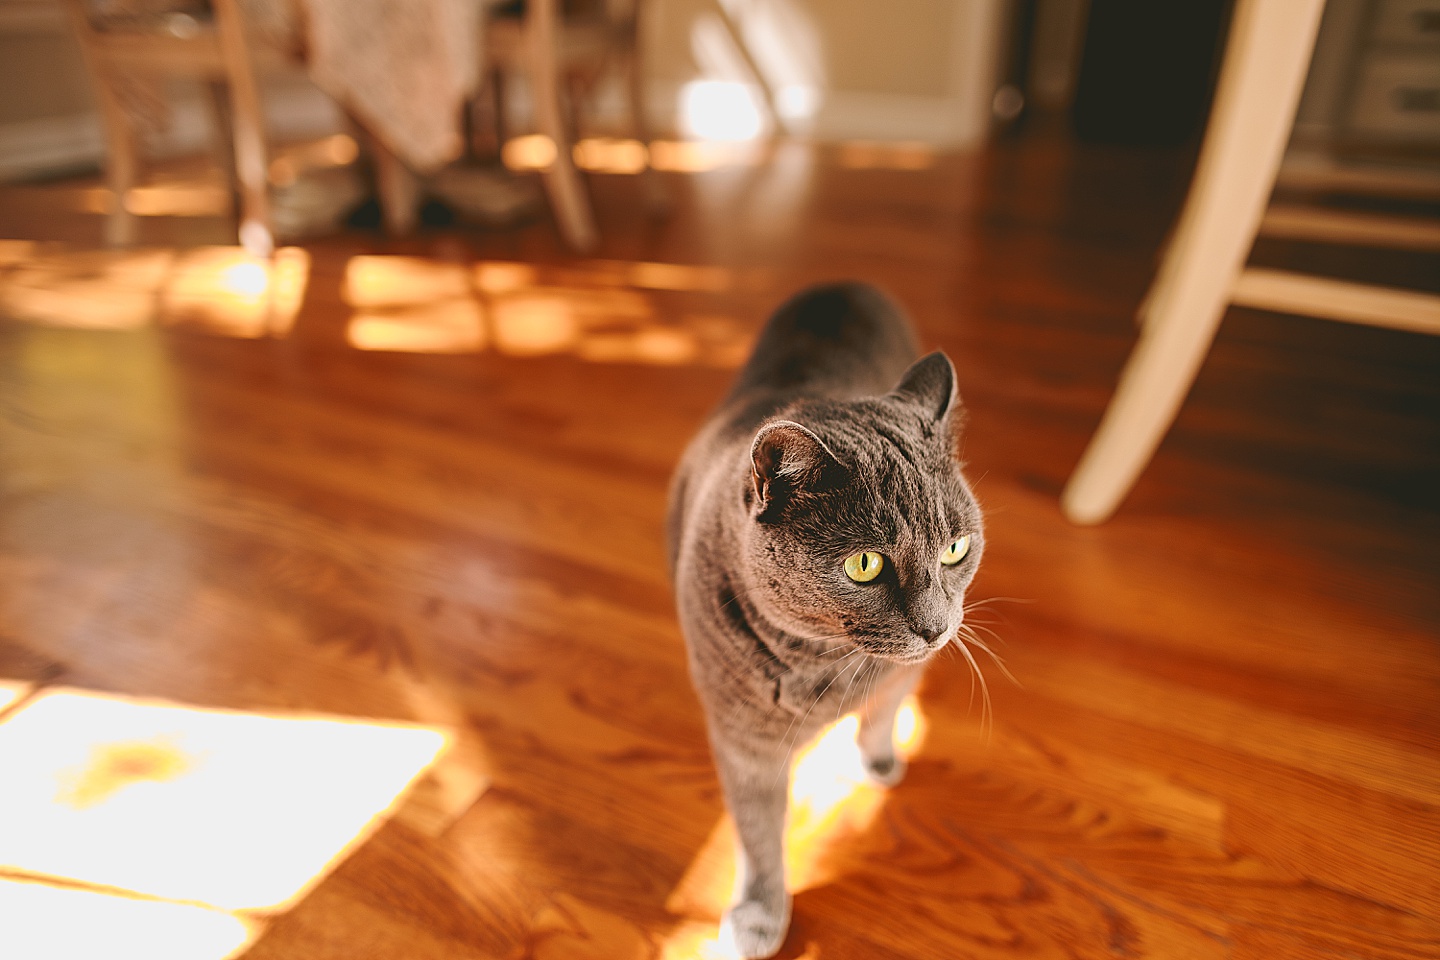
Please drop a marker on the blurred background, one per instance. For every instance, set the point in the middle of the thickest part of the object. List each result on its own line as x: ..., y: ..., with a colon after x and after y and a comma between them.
x: 347, y: 347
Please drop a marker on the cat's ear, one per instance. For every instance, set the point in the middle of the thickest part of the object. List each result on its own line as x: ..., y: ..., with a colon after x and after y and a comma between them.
x: 786, y: 457
x: 930, y: 383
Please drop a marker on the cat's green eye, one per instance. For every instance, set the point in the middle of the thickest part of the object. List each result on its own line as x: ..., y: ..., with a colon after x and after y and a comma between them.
x: 864, y: 567
x: 954, y: 553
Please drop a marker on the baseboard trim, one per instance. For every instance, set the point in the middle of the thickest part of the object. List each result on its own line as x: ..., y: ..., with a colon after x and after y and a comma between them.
x: 51, y: 145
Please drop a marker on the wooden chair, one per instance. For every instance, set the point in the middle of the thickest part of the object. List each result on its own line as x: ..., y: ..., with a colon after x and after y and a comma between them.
x: 213, y: 49
x: 1203, y: 270
x: 549, y: 49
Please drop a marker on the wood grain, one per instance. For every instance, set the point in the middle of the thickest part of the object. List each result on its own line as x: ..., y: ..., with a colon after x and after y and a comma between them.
x: 1225, y: 741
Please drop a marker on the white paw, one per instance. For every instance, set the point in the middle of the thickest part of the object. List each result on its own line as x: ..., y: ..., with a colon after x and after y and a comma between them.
x: 754, y: 929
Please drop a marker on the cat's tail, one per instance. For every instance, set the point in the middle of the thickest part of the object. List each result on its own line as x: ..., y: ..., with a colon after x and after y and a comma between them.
x: 839, y: 339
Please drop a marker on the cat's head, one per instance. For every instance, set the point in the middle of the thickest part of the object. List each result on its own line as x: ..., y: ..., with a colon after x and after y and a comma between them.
x: 861, y: 527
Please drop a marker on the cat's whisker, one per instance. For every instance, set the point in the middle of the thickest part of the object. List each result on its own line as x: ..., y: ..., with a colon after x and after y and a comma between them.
x: 999, y: 661
x: 975, y: 629
x: 978, y: 675
x: 985, y: 625
x: 977, y: 604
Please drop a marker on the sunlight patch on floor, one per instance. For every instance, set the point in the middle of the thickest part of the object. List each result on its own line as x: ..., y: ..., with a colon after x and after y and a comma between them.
x: 611, y: 155
x: 876, y: 155
x: 10, y: 693
x: 536, y: 152
x: 161, y: 200
x: 701, y: 156
x: 449, y: 326
x: 238, y: 811
x: 412, y: 305
x: 598, y: 310
x: 39, y: 921
x: 220, y: 290
x: 831, y: 801
x: 227, y: 291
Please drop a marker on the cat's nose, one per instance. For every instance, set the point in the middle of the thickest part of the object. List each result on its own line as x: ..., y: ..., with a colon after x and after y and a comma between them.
x: 931, y: 633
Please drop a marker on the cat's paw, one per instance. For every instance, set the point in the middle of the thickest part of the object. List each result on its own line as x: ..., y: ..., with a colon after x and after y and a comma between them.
x: 755, y: 929
x: 886, y: 770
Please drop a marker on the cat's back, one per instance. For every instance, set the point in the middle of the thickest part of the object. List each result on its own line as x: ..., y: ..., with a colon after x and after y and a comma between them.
x: 836, y: 340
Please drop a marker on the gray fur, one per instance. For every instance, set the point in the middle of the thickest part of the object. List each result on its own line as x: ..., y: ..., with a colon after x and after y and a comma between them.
x: 834, y: 440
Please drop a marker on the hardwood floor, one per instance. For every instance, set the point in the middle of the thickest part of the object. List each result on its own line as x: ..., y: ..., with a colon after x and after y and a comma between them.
x: 1225, y: 736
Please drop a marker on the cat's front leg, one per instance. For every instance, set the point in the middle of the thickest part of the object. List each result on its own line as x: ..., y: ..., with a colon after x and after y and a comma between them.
x: 876, y: 738
x: 756, y: 789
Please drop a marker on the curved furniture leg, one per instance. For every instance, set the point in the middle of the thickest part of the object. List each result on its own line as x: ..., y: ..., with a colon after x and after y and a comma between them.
x: 122, y: 146
x: 1265, y: 64
x: 562, y: 180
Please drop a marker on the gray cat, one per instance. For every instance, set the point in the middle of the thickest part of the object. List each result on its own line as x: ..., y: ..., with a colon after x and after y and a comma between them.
x: 821, y: 541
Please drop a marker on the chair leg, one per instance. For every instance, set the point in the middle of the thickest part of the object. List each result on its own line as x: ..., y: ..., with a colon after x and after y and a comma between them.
x: 122, y: 146
x: 497, y: 85
x: 562, y: 180
x: 122, y: 168
x: 398, y: 188
x: 657, y: 199
x: 223, y: 120
x: 251, y: 166
x: 1265, y: 64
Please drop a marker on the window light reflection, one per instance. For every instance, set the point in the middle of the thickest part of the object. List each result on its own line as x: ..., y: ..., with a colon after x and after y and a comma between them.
x: 39, y: 921
x: 87, y: 290
x: 700, y: 156
x: 222, y: 290
x: 450, y: 326
x: 533, y: 152
x: 499, y: 277
x: 597, y: 310
x: 675, y: 276
x: 536, y: 152
x: 386, y: 281
x: 162, y: 200
x: 720, y: 110
x: 657, y: 345
x: 610, y: 155
x: 233, y: 810
x: 527, y: 326
x: 10, y: 693
x: 872, y: 155
x: 229, y: 291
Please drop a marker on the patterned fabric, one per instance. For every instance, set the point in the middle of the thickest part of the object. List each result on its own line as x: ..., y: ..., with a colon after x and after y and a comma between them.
x: 404, y: 68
